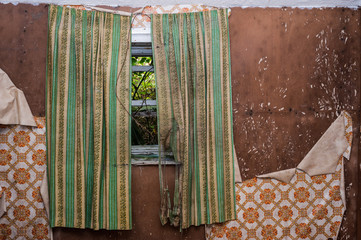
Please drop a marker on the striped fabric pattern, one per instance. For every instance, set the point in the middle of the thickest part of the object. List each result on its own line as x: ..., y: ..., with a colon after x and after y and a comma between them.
x: 192, y: 66
x: 88, y: 137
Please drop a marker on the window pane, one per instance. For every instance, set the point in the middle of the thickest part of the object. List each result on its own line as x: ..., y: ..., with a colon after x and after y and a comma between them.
x: 144, y: 122
x: 142, y: 61
x: 143, y: 86
x: 144, y: 125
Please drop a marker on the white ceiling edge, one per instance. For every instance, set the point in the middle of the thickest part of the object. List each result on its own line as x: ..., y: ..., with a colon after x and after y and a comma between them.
x: 215, y: 3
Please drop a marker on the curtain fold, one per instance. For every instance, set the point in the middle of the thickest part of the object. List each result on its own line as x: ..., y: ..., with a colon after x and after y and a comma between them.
x: 88, y: 128
x: 192, y: 68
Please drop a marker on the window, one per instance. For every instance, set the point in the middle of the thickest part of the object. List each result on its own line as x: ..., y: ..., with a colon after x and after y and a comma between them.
x: 144, y: 104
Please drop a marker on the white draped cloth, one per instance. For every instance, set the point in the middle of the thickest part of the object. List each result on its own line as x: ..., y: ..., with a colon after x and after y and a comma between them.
x: 14, y: 108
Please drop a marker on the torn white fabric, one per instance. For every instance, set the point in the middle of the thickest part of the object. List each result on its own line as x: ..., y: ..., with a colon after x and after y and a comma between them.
x: 283, y: 175
x: 14, y: 108
x: 323, y: 157
x: 237, y: 172
x: 44, y: 192
x: 2, y: 203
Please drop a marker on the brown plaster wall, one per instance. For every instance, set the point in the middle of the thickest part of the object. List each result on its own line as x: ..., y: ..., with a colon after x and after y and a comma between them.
x: 145, y: 213
x: 23, y: 41
x: 292, y: 71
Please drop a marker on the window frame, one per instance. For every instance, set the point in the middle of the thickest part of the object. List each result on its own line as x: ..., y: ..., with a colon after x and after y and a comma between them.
x: 145, y: 154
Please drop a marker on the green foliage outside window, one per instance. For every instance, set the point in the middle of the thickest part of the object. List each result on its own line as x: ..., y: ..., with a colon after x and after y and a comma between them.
x: 144, y: 123
x: 143, y: 85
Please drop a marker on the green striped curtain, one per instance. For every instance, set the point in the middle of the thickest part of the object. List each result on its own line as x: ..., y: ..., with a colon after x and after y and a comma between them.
x: 88, y: 129
x: 192, y: 68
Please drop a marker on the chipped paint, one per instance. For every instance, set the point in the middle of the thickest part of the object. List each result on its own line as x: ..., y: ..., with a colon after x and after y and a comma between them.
x: 287, y: 100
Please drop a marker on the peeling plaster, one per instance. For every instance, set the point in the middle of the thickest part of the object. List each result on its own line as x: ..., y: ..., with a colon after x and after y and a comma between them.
x: 216, y: 3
